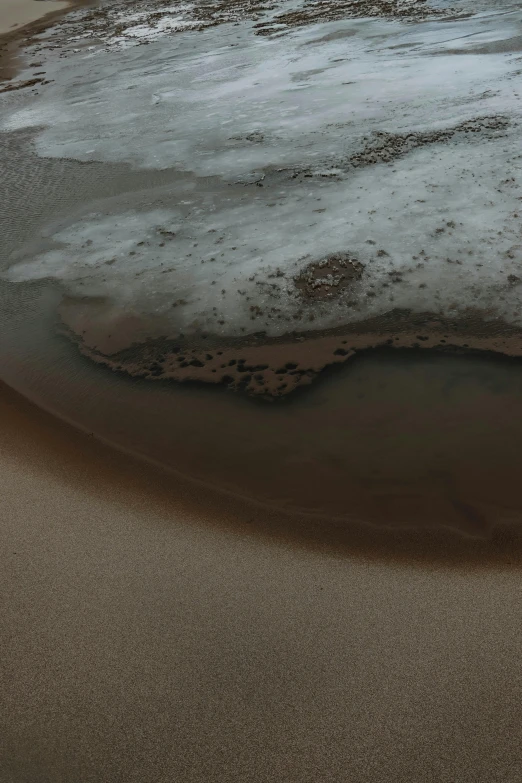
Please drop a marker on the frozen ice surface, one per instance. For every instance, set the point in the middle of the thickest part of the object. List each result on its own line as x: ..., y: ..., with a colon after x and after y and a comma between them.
x: 189, y: 102
x: 396, y: 143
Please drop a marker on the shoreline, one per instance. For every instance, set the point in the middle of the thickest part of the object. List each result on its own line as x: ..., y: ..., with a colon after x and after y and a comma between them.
x: 13, y: 38
x: 269, y: 368
x: 21, y: 13
x: 103, y: 470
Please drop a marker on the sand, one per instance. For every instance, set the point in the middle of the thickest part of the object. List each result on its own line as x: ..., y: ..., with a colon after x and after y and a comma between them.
x: 17, y: 13
x: 21, y: 20
x: 144, y: 639
x: 153, y: 632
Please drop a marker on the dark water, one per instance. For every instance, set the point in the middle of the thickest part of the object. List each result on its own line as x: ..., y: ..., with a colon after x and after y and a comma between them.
x: 393, y: 438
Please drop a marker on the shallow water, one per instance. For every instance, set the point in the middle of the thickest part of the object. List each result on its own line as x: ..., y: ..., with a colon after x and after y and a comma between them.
x: 396, y: 438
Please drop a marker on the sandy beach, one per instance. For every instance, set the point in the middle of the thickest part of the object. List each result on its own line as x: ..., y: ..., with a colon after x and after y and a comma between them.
x: 204, y: 208
x: 143, y: 641
x: 18, y: 13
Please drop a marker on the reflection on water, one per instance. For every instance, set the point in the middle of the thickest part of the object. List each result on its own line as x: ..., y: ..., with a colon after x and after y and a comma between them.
x: 393, y: 438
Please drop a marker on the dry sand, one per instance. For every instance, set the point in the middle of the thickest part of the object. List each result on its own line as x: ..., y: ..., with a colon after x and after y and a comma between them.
x: 17, y: 13
x: 143, y: 639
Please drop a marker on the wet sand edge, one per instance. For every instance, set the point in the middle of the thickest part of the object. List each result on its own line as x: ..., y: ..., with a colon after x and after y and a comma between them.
x: 11, y: 42
x: 270, y: 368
x: 41, y: 443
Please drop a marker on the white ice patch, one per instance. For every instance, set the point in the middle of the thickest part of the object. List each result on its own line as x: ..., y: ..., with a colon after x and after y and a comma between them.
x: 437, y: 228
x: 120, y: 28
x: 452, y: 244
x: 146, y: 29
x: 192, y: 102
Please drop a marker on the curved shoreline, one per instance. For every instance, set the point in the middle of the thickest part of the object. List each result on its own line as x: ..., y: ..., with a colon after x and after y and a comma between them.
x: 61, y: 452
x: 271, y: 368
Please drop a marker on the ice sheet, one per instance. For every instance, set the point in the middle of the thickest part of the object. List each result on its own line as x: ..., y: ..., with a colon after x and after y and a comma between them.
x: 396, y: 143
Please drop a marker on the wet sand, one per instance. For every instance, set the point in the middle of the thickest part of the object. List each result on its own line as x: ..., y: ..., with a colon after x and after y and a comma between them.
x: 144, y: 641
x: 20, y: 22
x: 17, y: 13
x: 270, y: 369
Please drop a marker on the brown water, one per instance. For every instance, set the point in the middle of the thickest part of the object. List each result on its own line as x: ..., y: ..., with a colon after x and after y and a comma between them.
x: 396, y: 439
